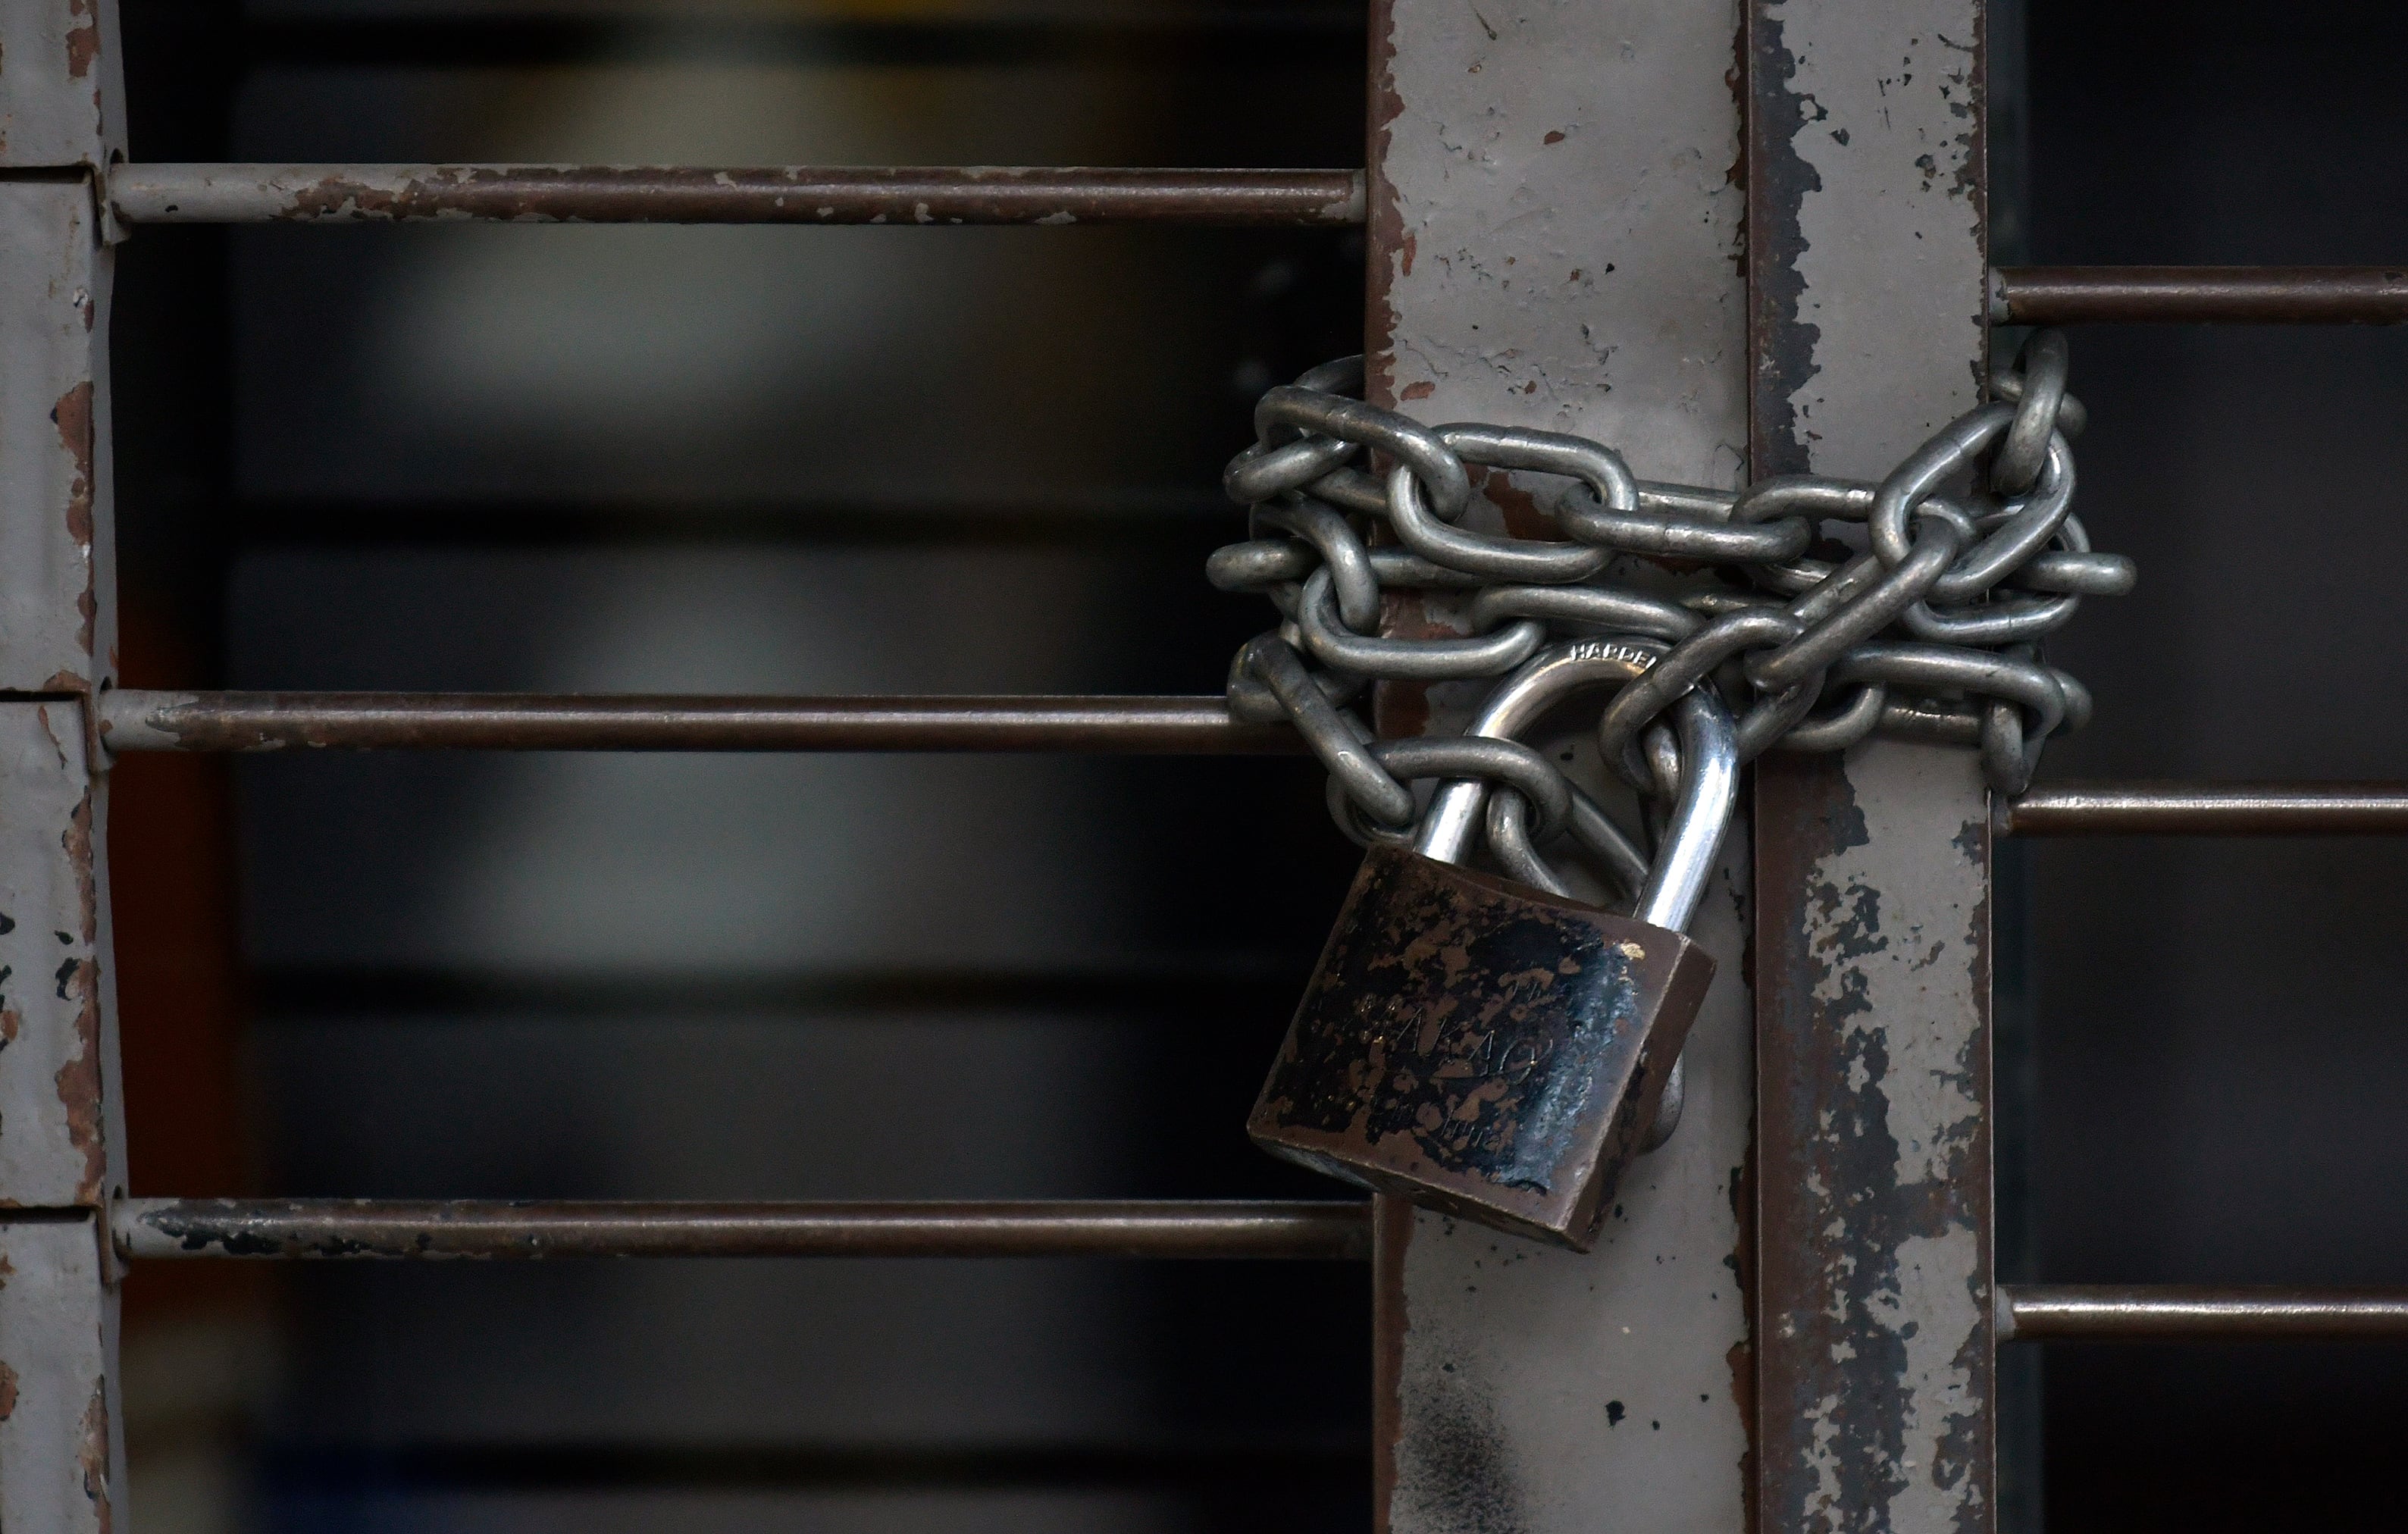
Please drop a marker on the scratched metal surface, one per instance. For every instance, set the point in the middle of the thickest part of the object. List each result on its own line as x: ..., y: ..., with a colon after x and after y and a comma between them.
x: 57, y: 622
x: 1875, y: 1320
x: 1516, y: 1044
x: 1554, y: 242
x: 62, y: 1447
x: 59, y: 1441
x: 61, y: 83
x: 54, y: 1133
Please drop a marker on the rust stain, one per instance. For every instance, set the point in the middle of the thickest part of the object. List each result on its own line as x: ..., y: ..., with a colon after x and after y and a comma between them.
x: 12, y: 1024
x: 73, y: 415
x: 77, y: 840
x: 1852, y: 1418
x: 78, y: 981
x: 1480, y: 1047
x: 8, y: 1392
x: 92, y: 1454
x: 1384, y: 214
x: 82, y: 39
x: 1517, y: 506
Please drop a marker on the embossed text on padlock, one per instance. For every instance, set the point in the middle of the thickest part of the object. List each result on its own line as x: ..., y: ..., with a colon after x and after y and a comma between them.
x: 1486, y: 1049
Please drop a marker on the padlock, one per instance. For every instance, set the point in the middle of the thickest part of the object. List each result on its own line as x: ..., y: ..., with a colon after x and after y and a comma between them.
x: 1486, y: 1049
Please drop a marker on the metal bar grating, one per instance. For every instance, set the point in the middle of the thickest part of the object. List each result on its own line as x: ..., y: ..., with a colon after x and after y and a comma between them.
x: 65, y: 190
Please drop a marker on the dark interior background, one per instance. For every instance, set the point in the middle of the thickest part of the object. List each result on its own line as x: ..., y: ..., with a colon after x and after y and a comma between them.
x: 868, y: 460
x: 2221, y: 1064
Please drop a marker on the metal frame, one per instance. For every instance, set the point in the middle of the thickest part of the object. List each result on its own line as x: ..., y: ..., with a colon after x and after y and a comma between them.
x: 62, y: 1450
x: 1868, y: 299
x: 1511, y: 1381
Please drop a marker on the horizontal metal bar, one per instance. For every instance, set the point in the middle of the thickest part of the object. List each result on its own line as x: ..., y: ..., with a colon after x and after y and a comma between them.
x: 2208, y: 809
x: 333, y: 193
x: 527, y: 1230
x: 497, y: 1230
x: 244, y: 722
x: 2108, y: 1313
x: 924, y: 194
x: 2258, y: 295
x: 1256, y: 37
x: 138, y: 721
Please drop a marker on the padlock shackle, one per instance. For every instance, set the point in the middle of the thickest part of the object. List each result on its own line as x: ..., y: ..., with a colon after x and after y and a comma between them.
x: 1676, y: 881
x: 1685, y: 865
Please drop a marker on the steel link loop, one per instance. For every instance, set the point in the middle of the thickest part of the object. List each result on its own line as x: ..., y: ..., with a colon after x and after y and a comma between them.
x: 1836, y: 609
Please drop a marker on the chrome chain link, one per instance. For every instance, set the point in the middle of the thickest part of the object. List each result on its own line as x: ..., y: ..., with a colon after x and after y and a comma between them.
x: 1836, y: 609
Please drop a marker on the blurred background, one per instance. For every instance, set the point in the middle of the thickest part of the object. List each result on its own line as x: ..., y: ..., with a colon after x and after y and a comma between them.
x: 868, y: 460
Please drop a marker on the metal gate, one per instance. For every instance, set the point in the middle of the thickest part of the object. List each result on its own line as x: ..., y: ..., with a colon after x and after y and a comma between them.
x: 1799, y: 1294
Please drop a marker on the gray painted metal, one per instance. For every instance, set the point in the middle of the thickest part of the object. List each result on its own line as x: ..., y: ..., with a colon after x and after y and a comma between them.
x: 60, y: 1441
x: 57, y: 618
x: 1875, y: 1306
x: 62, y: 1450
x: 1554, y: 242
x: 61, y: 83
x: 54, y: 1047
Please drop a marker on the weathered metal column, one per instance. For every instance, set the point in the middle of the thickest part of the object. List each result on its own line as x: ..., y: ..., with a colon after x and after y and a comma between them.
x: 62, y: 1453
x: 1554, y: 242
x: 1868, y: 270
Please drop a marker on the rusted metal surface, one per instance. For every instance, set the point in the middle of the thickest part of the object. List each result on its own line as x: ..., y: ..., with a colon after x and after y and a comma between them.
x: 61, y: 76
x: 1554, y: 242
x: 496, y: 1229
x: 245, y: 721
x: 1481, y: 1048
x: 1874, y: 1301
x: 2247, y: 295
x: 57, y: 615
x: 62, y: 1447
x: 2208, y: 809
x: 55, y: 1051
x: 1874, y: 1168
x: 949, y: 194
x: 2111, y: 1313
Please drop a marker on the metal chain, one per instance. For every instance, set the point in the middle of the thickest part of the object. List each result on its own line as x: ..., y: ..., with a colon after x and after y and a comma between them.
x: 1929, y: 630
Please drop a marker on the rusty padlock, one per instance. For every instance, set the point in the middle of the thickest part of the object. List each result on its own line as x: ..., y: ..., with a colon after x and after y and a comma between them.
x: 1485, y: 1047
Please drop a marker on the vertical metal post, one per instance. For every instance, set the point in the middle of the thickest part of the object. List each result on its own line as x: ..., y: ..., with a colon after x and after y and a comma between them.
x: 1554, y: 242
x: 1868, y: 272
x: 62, y: 1453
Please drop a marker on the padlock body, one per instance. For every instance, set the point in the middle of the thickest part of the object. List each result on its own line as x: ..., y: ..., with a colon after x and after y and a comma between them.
x: 1481, y: 1047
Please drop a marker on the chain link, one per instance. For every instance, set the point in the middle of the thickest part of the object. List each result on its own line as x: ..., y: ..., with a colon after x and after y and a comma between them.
x: 1969, y: 554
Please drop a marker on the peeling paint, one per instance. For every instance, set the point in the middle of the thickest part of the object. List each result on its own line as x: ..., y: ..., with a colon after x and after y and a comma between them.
x: 73, y: 416
x: 1875, y: 1214
x: 82, y: 38
x: 93, y: 1457
x: 1868, y: 322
